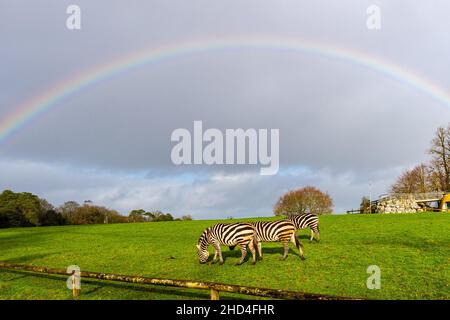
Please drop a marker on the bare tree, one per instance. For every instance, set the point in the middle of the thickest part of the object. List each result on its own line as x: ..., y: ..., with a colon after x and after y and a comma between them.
x: 440, y: 151
x: 436, y: 176
x: 416, y: 180
x: 68, y: 209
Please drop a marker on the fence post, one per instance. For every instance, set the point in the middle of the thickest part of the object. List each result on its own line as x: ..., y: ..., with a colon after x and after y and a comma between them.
x: 75, y: 290
x: 214, y: 294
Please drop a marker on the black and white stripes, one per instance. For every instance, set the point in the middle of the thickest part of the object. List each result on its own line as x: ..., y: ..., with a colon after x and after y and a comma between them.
x: 304, y: 220
x: 279, y: 230
x: 228, y: 234
x: 250, y: 235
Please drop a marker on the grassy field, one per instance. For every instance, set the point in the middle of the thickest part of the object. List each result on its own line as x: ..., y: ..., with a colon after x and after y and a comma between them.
x: 412, y: 250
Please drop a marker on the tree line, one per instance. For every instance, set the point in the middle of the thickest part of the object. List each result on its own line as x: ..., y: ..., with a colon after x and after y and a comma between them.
x: 424, y: 177
x: 24, y: 209
x: 431, y: 176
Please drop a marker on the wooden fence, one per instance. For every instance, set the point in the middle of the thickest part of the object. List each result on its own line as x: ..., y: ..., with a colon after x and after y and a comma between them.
x: 214, y: 288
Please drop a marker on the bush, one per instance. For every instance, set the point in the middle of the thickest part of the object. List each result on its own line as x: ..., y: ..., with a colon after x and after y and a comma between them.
x: 305, y: 200
x: 51, y: 218
x: 90, y: 214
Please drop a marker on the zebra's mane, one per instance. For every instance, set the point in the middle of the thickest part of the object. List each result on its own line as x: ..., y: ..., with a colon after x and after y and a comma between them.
x: 204, y: 236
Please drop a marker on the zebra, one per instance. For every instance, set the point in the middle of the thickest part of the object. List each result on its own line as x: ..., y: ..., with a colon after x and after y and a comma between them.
x: 279, y: 230
x: 304, y: 220
x: 228, y: 234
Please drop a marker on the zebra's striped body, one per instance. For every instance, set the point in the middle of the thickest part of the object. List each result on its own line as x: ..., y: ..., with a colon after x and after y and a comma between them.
x: 228, y: 234
x: 279, y: 230
x: 304, y: 220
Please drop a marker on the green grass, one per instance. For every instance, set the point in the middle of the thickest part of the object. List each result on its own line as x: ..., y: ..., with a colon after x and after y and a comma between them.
x: 412, y: 250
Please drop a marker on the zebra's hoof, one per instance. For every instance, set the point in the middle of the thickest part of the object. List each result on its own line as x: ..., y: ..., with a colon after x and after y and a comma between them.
x: 303, y: 258
x: 220, y: 263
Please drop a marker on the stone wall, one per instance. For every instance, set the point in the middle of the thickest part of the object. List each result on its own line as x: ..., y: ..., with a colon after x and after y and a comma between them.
x: 399, y: 205
x: 407, y: 202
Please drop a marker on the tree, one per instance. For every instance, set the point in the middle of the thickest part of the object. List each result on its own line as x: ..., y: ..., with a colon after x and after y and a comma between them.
x: 433, y: 176
x: 114, y: 217
x: 12, y: 218
x: 87, y: 215
x: 51, y: 218
x: 45, y: 205
x: 158, y: 215
x: 137, y: 216
x: 305, y: 200
x: 436, y: 176
x: 92, y: 214
x: 413, y: 181
x: 187, y: 217
x: 68, y: 210
x: 154, y: 215
x: 23, y: 207
x: 440, y: 151
x: 4, y: 221
x: 364, y: 207
x: 167, y: 217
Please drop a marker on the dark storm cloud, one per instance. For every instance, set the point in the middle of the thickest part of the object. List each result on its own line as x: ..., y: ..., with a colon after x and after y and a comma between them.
x: 345, y: 123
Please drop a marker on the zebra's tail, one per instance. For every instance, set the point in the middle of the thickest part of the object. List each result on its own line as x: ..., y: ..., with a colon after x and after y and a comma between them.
x: 255, y: 241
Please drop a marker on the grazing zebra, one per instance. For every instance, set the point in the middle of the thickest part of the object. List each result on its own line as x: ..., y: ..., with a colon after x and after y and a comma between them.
x: 228, y: 234
x: 279, y: 230
x: 304, y: 220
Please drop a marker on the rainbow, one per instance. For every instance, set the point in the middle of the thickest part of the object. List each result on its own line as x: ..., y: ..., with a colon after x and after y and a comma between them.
x: 32, y: 109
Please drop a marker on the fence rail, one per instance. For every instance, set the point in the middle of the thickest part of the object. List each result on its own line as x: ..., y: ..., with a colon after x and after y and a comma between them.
x: 423, y: 196
x: 214, y: 288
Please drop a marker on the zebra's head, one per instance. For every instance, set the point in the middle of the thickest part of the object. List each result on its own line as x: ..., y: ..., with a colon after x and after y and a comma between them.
x: 202, y: 247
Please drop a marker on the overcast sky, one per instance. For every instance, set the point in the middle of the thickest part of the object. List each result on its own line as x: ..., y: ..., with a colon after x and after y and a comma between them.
x: 341, y: 124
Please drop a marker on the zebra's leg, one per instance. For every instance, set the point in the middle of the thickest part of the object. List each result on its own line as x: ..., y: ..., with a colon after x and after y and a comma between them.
x: 243, y: 253
x: 286, y: 249
x: 260, y: 251
x: 252, y: 248
x: 220, y: 254
x: 294, y: 240
x: 217, y: 252
x: 215, y: 255
x: 312, y: 235
x: 299, y: 247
